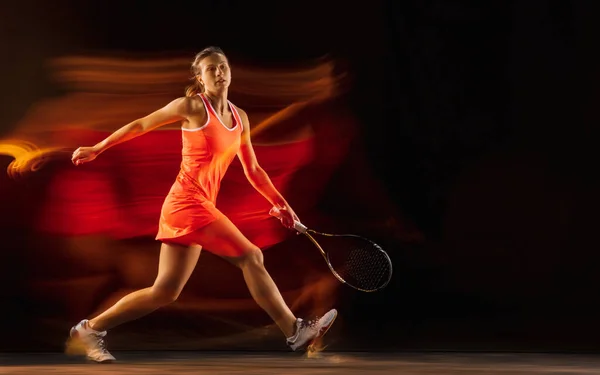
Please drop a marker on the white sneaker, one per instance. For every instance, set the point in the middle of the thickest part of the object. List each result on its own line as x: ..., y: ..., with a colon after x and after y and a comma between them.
x: 84, y: 340
x: 307, y: 331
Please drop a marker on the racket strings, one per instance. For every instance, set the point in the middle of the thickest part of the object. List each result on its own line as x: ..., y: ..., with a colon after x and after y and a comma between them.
x: 366, y: 267
x: 359, y: 262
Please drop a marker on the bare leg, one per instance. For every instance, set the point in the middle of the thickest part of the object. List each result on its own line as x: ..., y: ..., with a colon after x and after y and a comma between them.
x: 223, y: 235
x: 174, y: 269
x: 264, y: 291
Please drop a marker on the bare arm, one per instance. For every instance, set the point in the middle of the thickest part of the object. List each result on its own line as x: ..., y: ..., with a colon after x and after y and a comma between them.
x: 257, y: 176
x: 176, y: 110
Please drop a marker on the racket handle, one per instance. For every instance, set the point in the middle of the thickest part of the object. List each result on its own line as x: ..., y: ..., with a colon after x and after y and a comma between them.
x: 300, y: 227
x: 297, y: 225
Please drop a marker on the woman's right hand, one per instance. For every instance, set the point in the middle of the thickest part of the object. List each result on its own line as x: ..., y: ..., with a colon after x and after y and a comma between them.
x: 84, y: 155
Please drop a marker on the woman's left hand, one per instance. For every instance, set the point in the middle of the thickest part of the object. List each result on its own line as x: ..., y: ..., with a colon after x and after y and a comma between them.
x: 288, y: 216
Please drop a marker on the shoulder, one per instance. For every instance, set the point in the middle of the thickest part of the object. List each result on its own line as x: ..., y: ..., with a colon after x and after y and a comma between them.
x: 242, y: 113
x: 186, y: 105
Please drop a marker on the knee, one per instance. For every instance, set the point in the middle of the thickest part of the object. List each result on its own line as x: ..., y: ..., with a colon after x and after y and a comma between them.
x: 251, y: 259
x: 164, y: 296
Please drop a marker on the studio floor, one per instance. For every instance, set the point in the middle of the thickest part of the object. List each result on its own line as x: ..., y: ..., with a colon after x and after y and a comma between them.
x: 181, y: 362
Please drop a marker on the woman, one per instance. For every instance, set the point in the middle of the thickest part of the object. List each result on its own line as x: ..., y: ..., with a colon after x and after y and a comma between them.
x: 214, y: 131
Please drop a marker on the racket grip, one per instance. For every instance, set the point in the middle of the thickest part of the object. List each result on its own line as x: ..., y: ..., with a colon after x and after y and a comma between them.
x: 297, y: 225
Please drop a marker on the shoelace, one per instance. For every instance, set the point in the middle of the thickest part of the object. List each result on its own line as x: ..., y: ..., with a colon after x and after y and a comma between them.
x: 98, y: 341
x: 310, y: 323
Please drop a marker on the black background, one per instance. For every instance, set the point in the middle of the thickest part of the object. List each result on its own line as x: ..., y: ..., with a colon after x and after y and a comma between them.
x: 479, y: 117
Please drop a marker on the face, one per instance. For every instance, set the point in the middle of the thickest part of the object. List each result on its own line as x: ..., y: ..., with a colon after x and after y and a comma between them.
x: 214, y: 72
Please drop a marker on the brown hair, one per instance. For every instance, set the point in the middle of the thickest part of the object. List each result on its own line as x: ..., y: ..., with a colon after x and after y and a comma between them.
x: 196, y: 87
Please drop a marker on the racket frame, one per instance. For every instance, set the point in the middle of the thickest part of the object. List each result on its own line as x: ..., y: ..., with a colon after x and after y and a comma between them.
x: 301, y: 228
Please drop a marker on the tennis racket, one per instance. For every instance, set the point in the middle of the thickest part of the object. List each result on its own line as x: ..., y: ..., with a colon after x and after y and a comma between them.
x: 353, y: 260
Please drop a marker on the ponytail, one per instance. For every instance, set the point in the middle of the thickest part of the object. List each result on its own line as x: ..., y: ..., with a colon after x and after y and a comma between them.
x: 192, y: 90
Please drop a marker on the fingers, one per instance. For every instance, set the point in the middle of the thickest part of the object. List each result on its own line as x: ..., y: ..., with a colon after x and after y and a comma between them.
x: 80, y: 161
x: 286, y: 217
x: 288, y: 221
x: 79, y: 150
x: 76, y: 157
x: 82, y: 155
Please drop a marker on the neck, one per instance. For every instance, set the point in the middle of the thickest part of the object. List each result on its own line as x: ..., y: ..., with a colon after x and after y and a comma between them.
x: 218, y: 100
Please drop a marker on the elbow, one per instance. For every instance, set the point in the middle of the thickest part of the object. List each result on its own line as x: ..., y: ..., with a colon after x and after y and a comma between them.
x: 255, y: 174
x: 251, y: 172
x: 138, y: 127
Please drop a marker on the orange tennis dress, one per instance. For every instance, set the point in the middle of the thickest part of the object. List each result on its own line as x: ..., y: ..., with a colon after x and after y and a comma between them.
x: 206, y: 154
